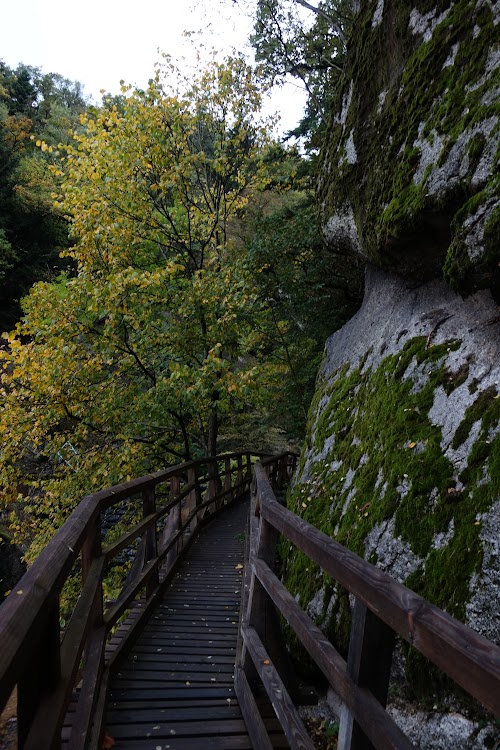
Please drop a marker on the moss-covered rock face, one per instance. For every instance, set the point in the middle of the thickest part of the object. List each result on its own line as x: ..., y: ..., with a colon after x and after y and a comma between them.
x: 402, y: 461
x: 410, y: 176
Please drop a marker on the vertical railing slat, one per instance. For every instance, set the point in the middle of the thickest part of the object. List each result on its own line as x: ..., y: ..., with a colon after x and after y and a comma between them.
x: 93, y: 657
x: 193, y: 499
x: 228, y: 494
x: 239, y: 477
x: 369, y: 665
x: 151, y: 540
x: 42, y: 677
x: 175, y: 485
x: 212, y: 485
x: 261, y: 612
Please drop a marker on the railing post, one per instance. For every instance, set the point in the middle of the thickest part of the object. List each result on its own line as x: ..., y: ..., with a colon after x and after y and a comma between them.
x: 212, y: 487
x: 280, y: 472
x: 93, y: 655
x: 91, y: 550
x: 194, y: 498
x: 248, y: 473
x: 42, y: 677
x: 261, y: 612
x: 218, y: 486
x: 369, y: 665
x: 175, y: 486
x: 151, y: 542
x: 228, y: 494
x: 239, y: 476
x: 271, y: 473
x: 172, y: 525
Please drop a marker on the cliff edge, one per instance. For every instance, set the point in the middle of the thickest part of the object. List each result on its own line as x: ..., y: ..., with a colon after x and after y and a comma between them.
x: 402, y: 457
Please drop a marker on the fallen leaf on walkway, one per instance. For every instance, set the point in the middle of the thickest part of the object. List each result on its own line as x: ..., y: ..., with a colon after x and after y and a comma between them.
x: 108, y: 741
x: 239, y: 566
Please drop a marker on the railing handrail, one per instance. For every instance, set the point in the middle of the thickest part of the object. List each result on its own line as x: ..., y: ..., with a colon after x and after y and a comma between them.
x: 29, y: 618
x: 30, y: 613
x: 383, y: 606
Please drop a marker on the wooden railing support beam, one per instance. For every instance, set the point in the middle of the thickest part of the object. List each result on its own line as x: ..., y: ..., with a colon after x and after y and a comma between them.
x: 42, y: 678
x: 194, y: 497
x: 262, y: 614
x: 211, y: 492
x: 239, y: 479
x: 151, y: 545
x: 228, y: 482
x: 369, y: 665
x: 175, y: 524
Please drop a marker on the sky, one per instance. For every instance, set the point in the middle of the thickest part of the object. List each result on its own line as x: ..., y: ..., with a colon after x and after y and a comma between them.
x: 100, y: 42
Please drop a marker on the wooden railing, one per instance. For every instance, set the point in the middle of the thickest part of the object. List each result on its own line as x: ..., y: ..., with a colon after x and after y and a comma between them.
x: 45, y: 666
x: 383, y: 607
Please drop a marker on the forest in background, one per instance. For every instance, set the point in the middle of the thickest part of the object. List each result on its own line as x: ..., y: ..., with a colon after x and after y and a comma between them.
x: 163, y: 280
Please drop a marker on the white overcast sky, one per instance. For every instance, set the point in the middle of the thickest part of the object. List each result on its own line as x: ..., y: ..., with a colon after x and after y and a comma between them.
x: 100, y: 42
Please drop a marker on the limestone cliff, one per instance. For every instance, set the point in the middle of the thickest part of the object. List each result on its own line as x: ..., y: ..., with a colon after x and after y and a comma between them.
x: 410, y: 174
x: 402, y: 459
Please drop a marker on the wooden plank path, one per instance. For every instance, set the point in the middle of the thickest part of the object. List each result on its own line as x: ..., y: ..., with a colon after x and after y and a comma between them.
x: 175, y: 690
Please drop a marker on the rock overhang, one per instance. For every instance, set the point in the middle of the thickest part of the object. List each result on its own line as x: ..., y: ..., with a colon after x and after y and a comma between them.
x: 409, y: 174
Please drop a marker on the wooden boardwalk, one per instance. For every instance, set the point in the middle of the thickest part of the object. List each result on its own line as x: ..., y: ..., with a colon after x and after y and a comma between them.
x: 175, y: 688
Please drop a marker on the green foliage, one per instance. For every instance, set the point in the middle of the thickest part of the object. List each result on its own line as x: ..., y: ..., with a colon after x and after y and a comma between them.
x: 138, y: 359
x: 296, y: 39
x: 32, y: 106
x: 303, y: 290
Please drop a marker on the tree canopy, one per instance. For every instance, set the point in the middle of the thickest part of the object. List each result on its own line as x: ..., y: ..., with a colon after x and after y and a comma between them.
x: 33, y: 105
x: 136, y: 360
x: 295, y: 38
x: 197, y: 299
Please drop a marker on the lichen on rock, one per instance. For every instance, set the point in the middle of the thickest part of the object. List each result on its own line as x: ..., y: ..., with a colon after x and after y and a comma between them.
x: 402, y: 457
x: 402, y: 460
x: 420, y: 114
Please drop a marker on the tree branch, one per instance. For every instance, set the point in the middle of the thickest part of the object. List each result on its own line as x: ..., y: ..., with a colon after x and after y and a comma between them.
x: 320, y: 12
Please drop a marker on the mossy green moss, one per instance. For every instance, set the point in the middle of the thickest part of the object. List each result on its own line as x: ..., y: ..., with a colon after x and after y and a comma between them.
x: 434, y: 92
x: 385, y: 461
x: 486, y: 408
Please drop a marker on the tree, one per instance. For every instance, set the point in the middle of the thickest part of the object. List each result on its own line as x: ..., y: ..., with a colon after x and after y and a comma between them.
x: 308, y: 47
x: 137, y: 360
x: 33, y: 106
x: 307, y: 293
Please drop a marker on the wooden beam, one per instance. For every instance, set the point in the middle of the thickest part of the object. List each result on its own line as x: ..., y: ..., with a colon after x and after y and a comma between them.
x: 83, y: 720
x: 253, y: 720
x: 41, y: 681
x: 284, y: 709
x: 369, y: 666
x: 468, y: 658
x: 151, y: 542
x: 378, y: 725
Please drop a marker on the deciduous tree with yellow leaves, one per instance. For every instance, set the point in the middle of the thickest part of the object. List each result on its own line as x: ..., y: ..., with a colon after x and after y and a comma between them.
x: 136, y: 360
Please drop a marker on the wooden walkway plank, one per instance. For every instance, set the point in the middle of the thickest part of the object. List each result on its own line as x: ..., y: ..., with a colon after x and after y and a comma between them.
x: 175, y: 689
